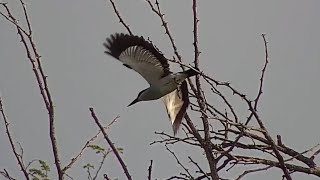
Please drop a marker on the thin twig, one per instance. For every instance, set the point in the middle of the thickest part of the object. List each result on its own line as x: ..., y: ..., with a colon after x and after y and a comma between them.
x: 41, y: 79
x: 262, y: 71
x: 73, y: 160
x: 5, y: 174
x: 29, y: 56
x: 291, y: 167
x: 104, y: 156
x: 199, y: 168
x: 201, y: 98
x: 252, y: 171
x: 114, y: 149
x: 178, y: 161
x: 150, y: 170
x: 266, y: 61
x: 315, y: 154
x: 119, y: 17
x: 299, y: 156
x: 165, y: 25
x: 273, y: 145
x: 255, y: 114
x: 105, y: 176
x: 18, y: 157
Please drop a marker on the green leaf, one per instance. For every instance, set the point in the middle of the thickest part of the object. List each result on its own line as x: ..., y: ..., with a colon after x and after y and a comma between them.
x: 44, y: 165
x: 97, y: 148
x: 38, y: 172
x: 120, y: 150
x: 88, y: 166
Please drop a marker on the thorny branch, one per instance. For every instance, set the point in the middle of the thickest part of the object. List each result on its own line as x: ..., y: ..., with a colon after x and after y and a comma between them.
x: 73, y: 160
x: 5, y: 174
x: 165, y: 25
x: 150, y: 170
x: 114, y: 149
x: 255, y: 114
x: 198, y: 92
x: 119, y: 17
x: 223, y: 145
x: 34, y: 58
x: 252, y: 171
x: 104, y: 156
x: 201, y: 100
x: 245, y: 131
x: 178, y: 161
x: 13, y: 147
x: 263, y: 71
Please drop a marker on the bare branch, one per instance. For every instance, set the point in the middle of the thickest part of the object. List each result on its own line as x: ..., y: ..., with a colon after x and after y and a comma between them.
x: 120, y: 18
x: 262, y: 71
x: 5, y: 174
x: 199, y: 168
x: 255, y: 114
x: 315, y: 154
x: 195, y: 34
x: 40, y: 77
x: 291, y: 167
x: 178, y: 161
x: 73, y: 160
x: 252, y: 171
x: 31, y: 59
x: 201, y: 99
x: 114, y: 149
x: 13, y: 148
x: 104, y: 156
x: 165, y: 25
x: 105, y: 176
x: 150, y: 170
x: 299, y: 156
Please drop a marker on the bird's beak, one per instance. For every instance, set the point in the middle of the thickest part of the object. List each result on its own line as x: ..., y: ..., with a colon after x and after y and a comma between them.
x: 133, y: 102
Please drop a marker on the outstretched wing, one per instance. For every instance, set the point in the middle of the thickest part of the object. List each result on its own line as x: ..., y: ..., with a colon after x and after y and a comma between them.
x: 176, y: 104
x: 138, y: 54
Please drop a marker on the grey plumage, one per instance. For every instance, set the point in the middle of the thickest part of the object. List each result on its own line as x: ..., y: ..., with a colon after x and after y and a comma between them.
x: 141, y: 56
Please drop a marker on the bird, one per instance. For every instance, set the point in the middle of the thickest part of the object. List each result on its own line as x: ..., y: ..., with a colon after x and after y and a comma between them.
x: 142, y: 56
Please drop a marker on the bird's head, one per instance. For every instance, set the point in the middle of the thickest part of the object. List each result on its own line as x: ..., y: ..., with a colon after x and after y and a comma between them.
x: 139, y: 98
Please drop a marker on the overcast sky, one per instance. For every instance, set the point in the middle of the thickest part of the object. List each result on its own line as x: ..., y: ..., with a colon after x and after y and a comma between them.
x: 69, y: 37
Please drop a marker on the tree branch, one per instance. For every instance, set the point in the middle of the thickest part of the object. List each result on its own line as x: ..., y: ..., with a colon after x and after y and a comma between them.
x: 114, y: 149
x: 13, y: 148
x: 40, y: 77
x: 150, y: 170
x: 120, y: 18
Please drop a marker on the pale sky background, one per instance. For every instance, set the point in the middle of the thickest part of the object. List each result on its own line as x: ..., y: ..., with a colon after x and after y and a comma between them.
x: 69, y: 37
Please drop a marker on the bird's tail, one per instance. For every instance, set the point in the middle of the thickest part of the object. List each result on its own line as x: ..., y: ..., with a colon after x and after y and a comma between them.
x: 191, y: 72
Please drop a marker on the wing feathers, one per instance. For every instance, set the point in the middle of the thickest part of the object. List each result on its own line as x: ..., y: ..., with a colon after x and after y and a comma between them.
x: 142, y: 56
x: 143, y: 62
x: 138, y: 54
x: 176, y: 104
x: 138, y: 49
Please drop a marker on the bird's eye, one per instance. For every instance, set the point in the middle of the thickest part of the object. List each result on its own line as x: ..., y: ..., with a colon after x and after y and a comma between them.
x: 177, y: 80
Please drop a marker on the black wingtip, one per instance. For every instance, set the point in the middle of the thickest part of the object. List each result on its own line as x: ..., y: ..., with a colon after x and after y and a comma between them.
x: 119, y: 42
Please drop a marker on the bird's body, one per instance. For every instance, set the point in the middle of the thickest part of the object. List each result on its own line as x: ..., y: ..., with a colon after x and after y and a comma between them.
x: 137, y: 54
x: 164, y: 86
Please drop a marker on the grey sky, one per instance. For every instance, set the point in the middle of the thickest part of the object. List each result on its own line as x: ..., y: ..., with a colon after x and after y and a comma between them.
x: 69, y: 36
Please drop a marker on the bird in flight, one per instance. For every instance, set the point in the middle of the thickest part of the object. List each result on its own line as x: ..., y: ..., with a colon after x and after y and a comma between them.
x: 143, y: 57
